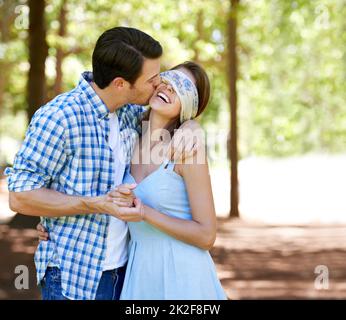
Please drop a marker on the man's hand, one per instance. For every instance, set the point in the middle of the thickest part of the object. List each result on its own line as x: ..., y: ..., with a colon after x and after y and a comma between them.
x: 186, y: 141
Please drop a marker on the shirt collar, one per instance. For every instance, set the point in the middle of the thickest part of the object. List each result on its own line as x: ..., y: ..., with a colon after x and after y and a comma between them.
x: 98, y: 105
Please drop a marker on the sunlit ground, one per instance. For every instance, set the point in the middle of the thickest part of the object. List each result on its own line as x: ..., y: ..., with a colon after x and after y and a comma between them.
x: 5, y: 213
x: 300, y: 190
x: 271, y: 262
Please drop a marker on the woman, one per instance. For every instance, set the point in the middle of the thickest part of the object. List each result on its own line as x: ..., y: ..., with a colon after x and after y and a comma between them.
x: 168, y: 252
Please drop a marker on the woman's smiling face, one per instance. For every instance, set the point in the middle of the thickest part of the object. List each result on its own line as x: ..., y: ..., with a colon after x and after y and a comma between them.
x: 165, y: 100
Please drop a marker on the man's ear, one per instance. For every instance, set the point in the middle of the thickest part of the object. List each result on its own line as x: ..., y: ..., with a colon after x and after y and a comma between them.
x: 120, y: 83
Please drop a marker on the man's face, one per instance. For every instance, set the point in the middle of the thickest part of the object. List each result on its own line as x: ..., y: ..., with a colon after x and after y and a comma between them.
x: 146, y: 84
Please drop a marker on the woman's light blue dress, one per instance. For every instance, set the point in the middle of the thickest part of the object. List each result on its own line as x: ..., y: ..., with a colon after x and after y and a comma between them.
x: 159, y: 266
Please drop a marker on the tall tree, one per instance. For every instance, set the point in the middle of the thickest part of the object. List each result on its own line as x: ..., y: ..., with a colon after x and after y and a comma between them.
x: 7, y: 16
x: 232, y: 70
x: 36, y: 85
x: 38, y: 52
x: 60, y: 53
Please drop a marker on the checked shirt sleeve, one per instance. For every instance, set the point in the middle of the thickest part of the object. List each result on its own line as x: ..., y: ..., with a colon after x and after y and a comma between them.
x: 41, y: 156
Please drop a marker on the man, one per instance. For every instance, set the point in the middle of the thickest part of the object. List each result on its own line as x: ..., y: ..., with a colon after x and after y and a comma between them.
x: 71, y: 159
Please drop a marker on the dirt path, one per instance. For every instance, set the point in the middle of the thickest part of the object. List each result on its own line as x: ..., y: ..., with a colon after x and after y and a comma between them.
x: 279, y: 262
x: 252, y: 261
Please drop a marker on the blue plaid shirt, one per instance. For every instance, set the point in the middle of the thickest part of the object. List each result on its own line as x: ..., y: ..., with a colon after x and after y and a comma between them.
x: 66, y: 149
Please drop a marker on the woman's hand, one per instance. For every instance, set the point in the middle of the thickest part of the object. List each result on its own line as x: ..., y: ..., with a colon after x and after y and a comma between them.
x: 130, y: 208
x: 122, y: 195
x: 42, y: 233
x: 132, y: 214
x: 186, y: 141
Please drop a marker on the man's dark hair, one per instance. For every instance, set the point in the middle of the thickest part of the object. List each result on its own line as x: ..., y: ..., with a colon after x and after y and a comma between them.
x: 120, y: 52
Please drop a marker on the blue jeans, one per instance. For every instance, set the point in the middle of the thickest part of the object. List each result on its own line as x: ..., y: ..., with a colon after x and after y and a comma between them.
x: 109, y: 287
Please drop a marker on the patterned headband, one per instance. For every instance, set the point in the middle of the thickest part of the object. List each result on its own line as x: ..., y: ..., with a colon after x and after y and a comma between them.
x: 186, y: 91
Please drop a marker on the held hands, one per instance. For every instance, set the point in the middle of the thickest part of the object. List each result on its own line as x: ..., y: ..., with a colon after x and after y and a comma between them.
x: 129, y: 214
x: 130, y: 208
x: 133, y: 214
x: 123, y: 195
x: 120, y: 203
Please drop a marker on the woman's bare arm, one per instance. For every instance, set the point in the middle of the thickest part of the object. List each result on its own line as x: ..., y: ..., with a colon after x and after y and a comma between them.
x: 201, y: 230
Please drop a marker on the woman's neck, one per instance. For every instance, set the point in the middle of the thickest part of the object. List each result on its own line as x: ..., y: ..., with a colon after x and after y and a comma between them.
x: 156, y: 127
x: 154, y: 135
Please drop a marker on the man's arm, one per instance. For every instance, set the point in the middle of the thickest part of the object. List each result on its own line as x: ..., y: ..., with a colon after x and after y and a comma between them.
x: 38, y: 162
x: 49, y: 203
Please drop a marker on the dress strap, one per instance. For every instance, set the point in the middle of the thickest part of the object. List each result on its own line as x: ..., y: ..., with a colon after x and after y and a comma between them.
x: 168, y: 165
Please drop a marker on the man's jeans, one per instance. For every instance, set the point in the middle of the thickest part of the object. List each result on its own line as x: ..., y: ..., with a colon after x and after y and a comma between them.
x: 109, y: 287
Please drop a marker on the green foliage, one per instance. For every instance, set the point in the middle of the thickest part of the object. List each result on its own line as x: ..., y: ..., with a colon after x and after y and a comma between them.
x: 292, y: 59
x: 292, y: 62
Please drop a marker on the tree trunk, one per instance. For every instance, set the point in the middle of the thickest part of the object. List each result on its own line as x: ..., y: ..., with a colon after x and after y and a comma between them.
x: 201, y: 35
x: 60, y: 54
x: 232, y: 70
x: 7, y: 15
x: 36, y: 86
x: 38, y: 52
